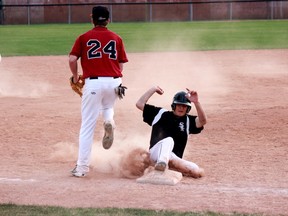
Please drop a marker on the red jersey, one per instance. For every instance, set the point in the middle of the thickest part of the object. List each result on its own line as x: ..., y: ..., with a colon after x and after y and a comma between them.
x: 101, y: 51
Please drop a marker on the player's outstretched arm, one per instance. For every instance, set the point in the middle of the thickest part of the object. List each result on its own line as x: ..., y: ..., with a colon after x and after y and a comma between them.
x: 145, y: 97
x: 201, y: 119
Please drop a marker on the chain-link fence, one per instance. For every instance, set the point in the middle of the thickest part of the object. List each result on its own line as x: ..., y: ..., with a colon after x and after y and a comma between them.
x: 78, y: 11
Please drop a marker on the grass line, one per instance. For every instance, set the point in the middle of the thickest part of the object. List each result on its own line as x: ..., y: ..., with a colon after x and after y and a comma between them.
x: 57, y: 39
x: 15, y: 210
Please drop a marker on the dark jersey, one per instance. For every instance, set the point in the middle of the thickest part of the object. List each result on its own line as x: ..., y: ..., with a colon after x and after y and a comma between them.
x: 165, y: 124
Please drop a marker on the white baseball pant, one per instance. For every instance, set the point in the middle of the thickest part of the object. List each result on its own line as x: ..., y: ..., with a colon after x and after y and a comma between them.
x: 162, y: 152
x: 98, y: 98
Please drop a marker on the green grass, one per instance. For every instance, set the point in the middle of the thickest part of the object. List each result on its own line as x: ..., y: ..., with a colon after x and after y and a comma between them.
x: 57, y: 39
x: 23, y: 210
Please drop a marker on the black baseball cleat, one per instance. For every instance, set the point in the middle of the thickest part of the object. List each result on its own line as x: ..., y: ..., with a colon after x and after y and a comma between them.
x: 160, y: 166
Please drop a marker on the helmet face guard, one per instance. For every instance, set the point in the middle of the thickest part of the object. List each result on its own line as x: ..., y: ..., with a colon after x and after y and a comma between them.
x: 180, y: 98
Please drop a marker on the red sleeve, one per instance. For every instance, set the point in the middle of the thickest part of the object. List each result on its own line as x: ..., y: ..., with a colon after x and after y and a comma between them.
x: 122, y: 57
x: 76, y: 49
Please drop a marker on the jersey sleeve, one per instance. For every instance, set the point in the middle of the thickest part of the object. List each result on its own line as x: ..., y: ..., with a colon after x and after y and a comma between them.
x: 76, y: 49
x: 149, y: 113
x: 192, y: 127
x: 122, y: 57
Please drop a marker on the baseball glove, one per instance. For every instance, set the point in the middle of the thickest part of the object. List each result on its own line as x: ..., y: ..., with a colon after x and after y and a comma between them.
x: 120, y: 91
x: 78, y: 86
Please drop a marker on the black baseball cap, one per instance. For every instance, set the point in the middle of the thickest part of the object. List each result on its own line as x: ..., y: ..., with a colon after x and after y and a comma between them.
x: 100, y: 13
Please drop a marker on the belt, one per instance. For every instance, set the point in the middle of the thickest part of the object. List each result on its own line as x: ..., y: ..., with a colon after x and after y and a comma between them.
x: 100, y: 77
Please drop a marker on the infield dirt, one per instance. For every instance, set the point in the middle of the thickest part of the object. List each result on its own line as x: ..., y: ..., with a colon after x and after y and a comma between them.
x: 243, y: 147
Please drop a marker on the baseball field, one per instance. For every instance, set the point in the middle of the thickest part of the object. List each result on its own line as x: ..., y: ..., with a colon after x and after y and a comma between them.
x: 240, y: 70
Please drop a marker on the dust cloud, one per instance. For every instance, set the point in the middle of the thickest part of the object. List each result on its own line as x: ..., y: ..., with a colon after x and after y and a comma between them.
x: 173, y: 72
x: 14, y: 88
x: 126, y: 158
x: 15, y: 83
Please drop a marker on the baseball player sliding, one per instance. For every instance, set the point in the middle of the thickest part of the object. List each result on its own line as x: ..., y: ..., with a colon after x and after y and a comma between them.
x: 102, y: 56
x: 170, y: 130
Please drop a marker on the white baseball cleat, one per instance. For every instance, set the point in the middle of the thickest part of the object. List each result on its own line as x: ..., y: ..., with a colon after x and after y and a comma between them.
x: 80, y: 171
x: 108, y: 138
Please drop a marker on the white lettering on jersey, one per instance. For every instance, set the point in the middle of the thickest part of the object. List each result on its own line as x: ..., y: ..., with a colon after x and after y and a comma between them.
x: 181, y: 126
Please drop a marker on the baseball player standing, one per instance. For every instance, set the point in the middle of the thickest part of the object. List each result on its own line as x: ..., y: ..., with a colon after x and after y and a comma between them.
x: 102, y: 55
x: 170, y: 130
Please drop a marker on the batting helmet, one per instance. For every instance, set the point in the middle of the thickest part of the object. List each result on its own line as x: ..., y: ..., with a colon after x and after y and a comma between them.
x: 180, y: 98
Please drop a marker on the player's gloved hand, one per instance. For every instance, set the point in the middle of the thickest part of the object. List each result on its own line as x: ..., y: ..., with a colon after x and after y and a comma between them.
x: 120, y: 91
x: 78, y: 86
